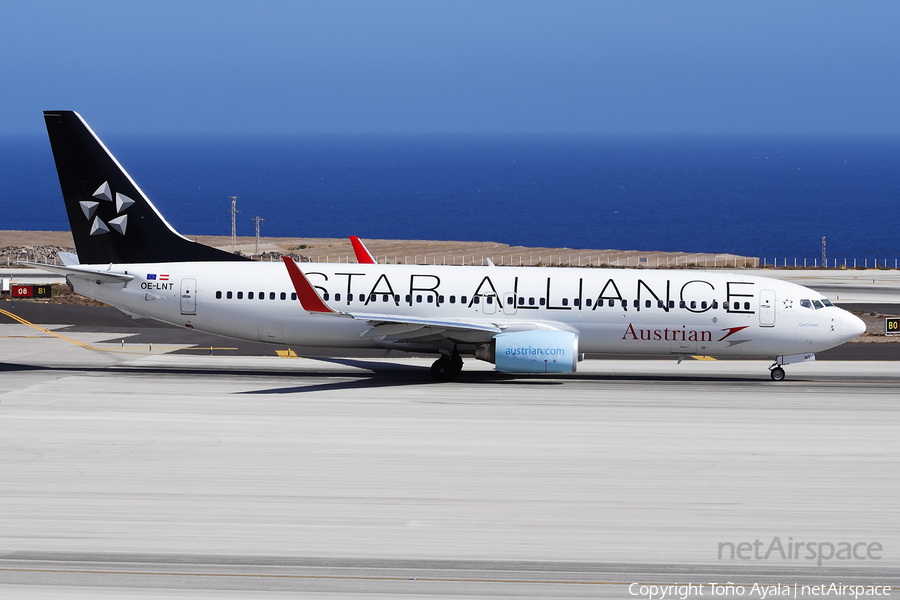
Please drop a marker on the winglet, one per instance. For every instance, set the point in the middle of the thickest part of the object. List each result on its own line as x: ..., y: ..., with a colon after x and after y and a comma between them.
x: 363, y: 256
x: 307, y: 294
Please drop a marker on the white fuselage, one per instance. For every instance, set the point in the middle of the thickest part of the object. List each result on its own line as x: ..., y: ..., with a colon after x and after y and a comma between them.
x: 617, y: 311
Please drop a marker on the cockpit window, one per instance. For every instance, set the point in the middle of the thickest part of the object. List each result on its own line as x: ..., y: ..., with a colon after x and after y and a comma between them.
x: 805, y: 303
x: 827, y: 302
x: 817, y: 304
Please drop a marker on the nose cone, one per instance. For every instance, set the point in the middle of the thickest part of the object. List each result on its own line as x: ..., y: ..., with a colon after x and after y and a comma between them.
x: 851, y: 327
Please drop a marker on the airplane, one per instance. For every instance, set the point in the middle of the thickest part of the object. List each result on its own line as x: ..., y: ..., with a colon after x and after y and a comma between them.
x: 521, y: 319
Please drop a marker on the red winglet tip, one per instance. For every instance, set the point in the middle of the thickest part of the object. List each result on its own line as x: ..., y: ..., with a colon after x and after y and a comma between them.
x: 363, y: 256
x: 307, y: 294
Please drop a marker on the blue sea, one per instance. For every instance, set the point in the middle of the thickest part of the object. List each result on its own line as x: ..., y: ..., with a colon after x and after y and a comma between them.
x: 764, y: 196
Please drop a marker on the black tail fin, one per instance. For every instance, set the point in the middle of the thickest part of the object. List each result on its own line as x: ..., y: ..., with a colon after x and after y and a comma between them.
x: 112, y: 220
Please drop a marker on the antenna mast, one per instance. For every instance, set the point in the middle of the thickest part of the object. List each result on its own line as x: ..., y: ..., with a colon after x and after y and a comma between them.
x: 234, y: 211
x: 257, y: 221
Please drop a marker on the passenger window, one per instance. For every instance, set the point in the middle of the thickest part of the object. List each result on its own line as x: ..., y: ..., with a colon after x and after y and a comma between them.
x: 440, y: 299
x: 362, y: 297
x: 599, y: 302
x: 577, y: 301
x: 418, y: 298
x: 240, y: 295
x: 294, y: 296
x: 659, y: 304
x: 746, y: 306
x: 452, y: 299
x: 462, y: 299
x: 509, y: 301
x: 476, y: 299
x: 636, y: 303
x: 671, y: 304
x: 625, y: 304
x: 324, y: 296
x: 385, y: 298
x: 409, y: 298
x: 542, y: 301
x: 262, y: 295
x: 429, y: 298
x: 373, y: 298
x: 337, y: 297
x: 490, y: 299
x: 271, y: 295
x: 228, y: 295
x: 249, y: 295
x: 397, y: 298
x: 283, y: 296
x: 218, y: 295
x: 715, y: 304
x: 693, y: 304
x: 531, y: 302
x: 682, y: 304
x: 588, y: 302
x: 565, y: 301
x: 703, y: 304
x: 647, y: 304
x: 737, y: 306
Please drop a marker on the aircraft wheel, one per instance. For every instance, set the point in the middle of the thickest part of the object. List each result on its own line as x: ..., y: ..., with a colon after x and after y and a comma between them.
x: 456, y: 362
x: 777, y: 374
x: 443, y: 369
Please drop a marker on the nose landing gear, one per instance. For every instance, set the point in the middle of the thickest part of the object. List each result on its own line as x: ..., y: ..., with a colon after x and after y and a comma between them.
x: 776, y: 372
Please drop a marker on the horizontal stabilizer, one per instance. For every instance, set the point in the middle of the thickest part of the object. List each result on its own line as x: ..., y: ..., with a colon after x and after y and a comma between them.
x: 83, y: 272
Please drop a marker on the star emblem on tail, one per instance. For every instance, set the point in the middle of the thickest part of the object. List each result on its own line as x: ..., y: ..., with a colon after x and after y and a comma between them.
x: 119, y: 223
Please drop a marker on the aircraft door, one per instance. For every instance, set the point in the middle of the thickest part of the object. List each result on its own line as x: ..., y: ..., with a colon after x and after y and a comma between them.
x: 509, y: 303
x: 767, y: 308
x: 189, y: 296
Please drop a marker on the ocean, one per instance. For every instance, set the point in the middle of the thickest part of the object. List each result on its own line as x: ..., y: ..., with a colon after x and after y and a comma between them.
x: 763, y: 196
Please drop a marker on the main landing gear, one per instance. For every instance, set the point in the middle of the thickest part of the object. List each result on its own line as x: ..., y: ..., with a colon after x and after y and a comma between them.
x: 776, y: 372
x: 446, y: 367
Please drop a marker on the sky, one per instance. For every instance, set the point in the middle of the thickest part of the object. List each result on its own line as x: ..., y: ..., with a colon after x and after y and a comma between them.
x: 460, y: 66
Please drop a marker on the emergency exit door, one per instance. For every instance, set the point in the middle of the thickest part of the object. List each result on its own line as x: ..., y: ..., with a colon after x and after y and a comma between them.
x: 766, y: 308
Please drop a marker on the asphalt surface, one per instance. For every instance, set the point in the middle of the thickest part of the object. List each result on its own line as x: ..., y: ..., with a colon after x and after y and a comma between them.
x: 126, y: 472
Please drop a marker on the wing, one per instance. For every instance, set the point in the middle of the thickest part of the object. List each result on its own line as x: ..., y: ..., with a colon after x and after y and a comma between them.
x: 387, y: 325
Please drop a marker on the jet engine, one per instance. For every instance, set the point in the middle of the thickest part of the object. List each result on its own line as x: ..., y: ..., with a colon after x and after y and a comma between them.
x: 543, y: 351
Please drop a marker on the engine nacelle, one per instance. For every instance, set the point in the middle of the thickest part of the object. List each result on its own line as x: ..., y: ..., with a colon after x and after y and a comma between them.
x: 542, y: 351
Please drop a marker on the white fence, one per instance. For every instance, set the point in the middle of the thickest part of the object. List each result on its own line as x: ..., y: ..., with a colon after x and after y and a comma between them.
x: 833, y: 263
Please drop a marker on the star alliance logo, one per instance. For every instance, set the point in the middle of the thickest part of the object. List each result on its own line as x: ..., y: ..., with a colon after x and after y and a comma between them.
x: 117, y: 224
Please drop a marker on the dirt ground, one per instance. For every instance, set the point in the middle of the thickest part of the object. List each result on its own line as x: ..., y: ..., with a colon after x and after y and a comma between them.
x: 37, y: 245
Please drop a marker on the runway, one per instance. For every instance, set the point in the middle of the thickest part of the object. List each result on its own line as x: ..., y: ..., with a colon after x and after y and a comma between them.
x: 157, y: 474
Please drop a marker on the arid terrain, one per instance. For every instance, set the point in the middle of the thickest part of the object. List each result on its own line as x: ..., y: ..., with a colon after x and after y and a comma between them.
x: 42, y: 245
